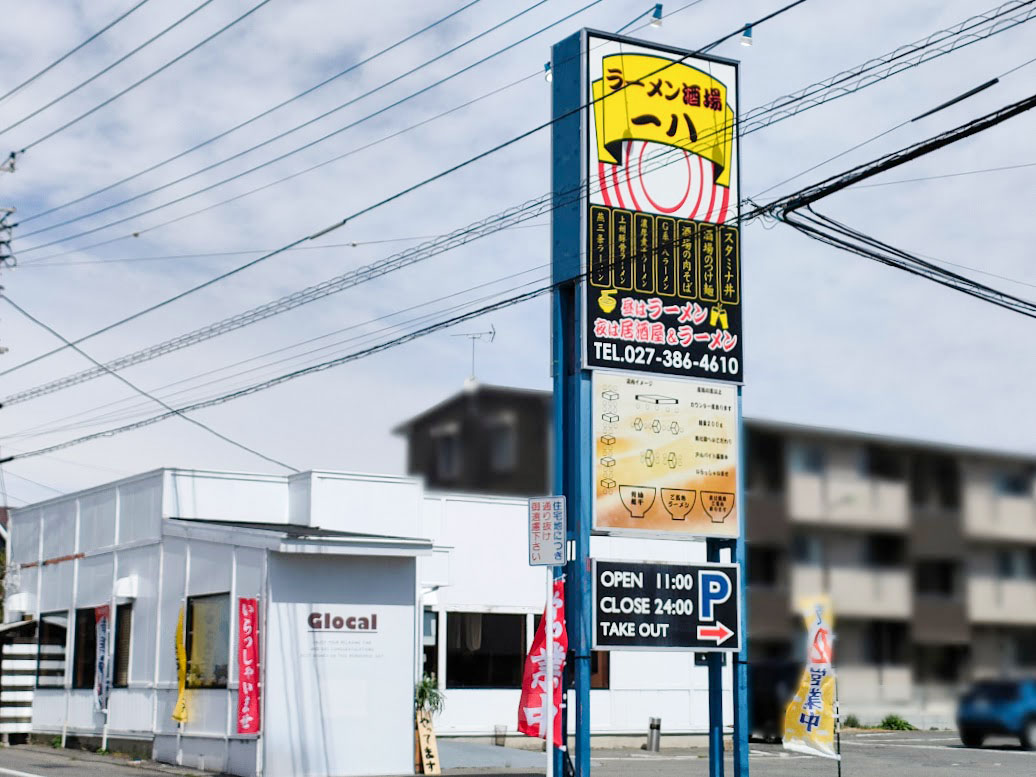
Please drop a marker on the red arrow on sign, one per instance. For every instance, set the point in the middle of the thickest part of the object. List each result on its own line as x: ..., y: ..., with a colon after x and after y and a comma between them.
x: 719, y: 632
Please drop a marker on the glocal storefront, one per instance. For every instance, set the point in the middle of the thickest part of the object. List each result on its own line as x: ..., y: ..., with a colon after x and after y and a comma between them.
x: 235, y: 623
x: 143, y: 611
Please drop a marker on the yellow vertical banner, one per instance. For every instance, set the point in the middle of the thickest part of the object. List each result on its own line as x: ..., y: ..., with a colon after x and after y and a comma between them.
x: 809, y: 721
x: 180, y: 710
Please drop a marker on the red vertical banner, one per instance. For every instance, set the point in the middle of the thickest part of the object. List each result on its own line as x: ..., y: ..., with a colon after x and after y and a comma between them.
x: 532, y: 707
x: 247, y: 666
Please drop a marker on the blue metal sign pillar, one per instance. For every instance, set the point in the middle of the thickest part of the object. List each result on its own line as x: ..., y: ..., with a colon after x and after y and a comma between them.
x: 572, y: 429
x: 571, y: 383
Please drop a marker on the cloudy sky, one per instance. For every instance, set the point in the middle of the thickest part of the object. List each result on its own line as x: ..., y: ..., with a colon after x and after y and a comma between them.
x: 831, y: 339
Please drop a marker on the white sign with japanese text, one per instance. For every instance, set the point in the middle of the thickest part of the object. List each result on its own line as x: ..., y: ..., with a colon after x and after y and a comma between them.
x: 547, y: 531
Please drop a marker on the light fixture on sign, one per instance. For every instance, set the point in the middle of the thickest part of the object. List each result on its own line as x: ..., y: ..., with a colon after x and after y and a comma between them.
x: 656, y: 15
x: 547, y: 75
x: 746, y: 36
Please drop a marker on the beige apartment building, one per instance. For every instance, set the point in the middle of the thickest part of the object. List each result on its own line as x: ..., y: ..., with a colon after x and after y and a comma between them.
x: 928, y: 551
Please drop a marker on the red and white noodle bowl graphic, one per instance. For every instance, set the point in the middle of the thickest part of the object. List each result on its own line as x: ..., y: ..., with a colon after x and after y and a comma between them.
x: 654, y: 178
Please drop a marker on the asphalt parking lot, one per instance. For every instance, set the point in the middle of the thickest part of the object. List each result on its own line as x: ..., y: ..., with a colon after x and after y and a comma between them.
x: 892, y: 754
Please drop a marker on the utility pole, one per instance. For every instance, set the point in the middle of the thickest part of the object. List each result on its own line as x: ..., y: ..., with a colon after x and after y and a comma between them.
x: 7, y: 259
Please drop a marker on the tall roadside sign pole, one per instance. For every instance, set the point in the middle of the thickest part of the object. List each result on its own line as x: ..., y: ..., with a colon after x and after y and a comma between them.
x: 647, y: 357
x: 571, y: 383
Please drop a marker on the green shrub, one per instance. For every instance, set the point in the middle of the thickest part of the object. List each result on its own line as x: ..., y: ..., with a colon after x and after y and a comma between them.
x: 893, y: 722
x: 850, y: 721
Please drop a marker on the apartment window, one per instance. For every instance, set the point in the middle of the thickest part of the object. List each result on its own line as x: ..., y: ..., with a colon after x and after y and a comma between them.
x: 935, y: 578
x: 808, y: 458
x: 208, y: 640
x: 484, y: 650
x: 447, y: 450
x: 885, y: 550
x: 934, y: 481
x: 883, y: 463
x: 885, y: 643
x: 762, y: 566
x: 1025, y: 648
x: 53, y: 632
x: 123, y: 630
x: 502, y: 433
x: 1016, y: 482
x: 84, y: 648
x: 939, y: 663
x: 765, y: 454
x: 1016, y: 563
x: 807, y: 549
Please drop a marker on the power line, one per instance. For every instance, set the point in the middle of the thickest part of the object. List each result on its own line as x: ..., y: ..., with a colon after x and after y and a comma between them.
x: 34, y: 482
x: 245, y: 251
x: 784, y: 208
x: 72, y: 51
x: 336, y: 158
x: 146, y: 78
x: 829, y: 231
x: 171, y: 410
x: 336, y: 284
x: 263, y: 114
x: 305, y: 146
x: 131, y: 412
x: 847, y: 82
x: 284, y: 378
x: 871, y: 139
x: 107, y: 69
x: 948, y: 175
x: 374, y: 206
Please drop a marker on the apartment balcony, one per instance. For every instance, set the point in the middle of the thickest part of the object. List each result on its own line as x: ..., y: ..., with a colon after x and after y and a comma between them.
x: 860, y: 684
x: 767, y: 518
x: 990, y: 516
x: 1003, y: 601
x: 853, y: 502
x: 769, y: 613
x: 857, y: 592
x: 940, y: 620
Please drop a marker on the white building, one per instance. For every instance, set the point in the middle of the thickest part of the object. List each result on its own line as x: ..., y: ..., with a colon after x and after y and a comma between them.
x: 355, y: 575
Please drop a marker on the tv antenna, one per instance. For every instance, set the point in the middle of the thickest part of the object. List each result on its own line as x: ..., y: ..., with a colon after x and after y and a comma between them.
x: 489, y: 337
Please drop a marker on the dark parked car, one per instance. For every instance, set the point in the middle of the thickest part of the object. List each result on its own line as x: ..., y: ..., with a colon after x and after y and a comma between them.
x: 998, y: 707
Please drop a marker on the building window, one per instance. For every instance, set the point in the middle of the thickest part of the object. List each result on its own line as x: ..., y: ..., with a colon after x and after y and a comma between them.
x: 762, y: 566
x: 883, y: 463
x: 53, y: 635
x: 123, y: 630
x: 939, y: 663
x: 1025, y: 648
x: 807, y: 549
x: 765, y: 454
x: 600, y: 665
x: 208, y: 640
x: 1016, y: 563
x: 430, y: 642
x: 885, y: 643
x: 446, y: 448
x: 484, y: 650
x: 600, y: 671
x: 1017, y: 483
x: 85, y: 649
x: 808, y: 458
x: 934, y: 481
x: 935, y: 578
x: 885, y: 550
x: 502, y: 433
